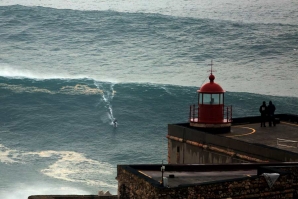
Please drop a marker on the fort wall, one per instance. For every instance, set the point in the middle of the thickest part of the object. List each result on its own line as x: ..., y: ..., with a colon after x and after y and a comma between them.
x: 133, y: 184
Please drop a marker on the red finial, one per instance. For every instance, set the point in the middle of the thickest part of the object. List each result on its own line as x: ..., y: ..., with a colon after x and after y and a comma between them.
x: 211, y: 77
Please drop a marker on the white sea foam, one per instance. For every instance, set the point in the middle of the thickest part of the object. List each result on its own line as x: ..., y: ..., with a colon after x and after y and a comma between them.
x: 22, y: 191
x: 107, y: 97
x: 18, y: 72
x: 15, y: 72
x: 78, y: 89
x: 27, y: 89
x: 69, y: 166
x: 8, y: 155
x: 75, y: 167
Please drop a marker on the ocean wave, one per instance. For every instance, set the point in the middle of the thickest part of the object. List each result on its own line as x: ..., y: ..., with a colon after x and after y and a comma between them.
x: 257, y: 11
x: 115, y: 47
x: 68, y: 140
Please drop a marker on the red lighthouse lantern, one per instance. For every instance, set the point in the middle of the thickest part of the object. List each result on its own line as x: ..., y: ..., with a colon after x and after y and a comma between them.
x: 211, y: 114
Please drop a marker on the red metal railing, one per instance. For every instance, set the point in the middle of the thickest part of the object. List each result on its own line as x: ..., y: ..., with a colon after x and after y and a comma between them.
x: 194, y: 114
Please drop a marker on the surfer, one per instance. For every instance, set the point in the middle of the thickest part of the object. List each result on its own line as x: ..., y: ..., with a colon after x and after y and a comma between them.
x: 115, y: 122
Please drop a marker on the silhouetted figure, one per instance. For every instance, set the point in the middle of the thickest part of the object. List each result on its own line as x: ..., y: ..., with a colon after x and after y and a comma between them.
x: 115, y: 122
x: 271, y: 110
x: 263, y: 111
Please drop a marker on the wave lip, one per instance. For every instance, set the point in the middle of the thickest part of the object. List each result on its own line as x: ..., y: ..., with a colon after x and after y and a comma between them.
x: 10, y: 72
x: 15, y: 73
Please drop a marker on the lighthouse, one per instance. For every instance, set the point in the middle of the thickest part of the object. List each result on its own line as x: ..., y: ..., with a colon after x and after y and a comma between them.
x: 211, y: 114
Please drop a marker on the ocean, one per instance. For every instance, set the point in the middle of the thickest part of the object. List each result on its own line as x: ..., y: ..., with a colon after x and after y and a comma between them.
x: 68, y: 69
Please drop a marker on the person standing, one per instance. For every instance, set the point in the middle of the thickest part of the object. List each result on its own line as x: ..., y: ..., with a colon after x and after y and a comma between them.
x: 263, y: 111
x: 271, y: 110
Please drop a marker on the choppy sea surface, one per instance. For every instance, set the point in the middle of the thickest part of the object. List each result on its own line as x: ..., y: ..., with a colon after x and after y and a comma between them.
x: 67, y: 69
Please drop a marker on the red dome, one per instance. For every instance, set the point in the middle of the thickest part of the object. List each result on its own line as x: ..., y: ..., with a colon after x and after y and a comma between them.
x: 211, y: 87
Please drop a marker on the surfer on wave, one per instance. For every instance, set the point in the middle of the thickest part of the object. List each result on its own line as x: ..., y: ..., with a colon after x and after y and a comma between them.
x: 115, y: 122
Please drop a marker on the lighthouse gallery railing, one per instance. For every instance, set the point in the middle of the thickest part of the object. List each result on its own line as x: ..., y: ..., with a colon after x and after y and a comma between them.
x: 194, y: 114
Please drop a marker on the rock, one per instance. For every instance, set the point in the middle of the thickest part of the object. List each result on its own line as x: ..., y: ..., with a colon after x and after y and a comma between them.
x: 101, y: 193
x: 107, y: 193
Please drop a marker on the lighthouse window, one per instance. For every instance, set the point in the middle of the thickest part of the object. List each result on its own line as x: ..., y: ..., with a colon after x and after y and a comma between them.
x: 206, y: 98
x: 215, y: 98
x: 200, y: 98
x: 211, y: 99
x: 221, y: 98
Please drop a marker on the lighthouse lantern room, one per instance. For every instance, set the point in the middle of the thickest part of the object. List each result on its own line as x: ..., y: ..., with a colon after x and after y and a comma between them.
x: 211, y: 115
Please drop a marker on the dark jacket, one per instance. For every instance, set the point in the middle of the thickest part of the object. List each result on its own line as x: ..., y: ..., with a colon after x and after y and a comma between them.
x: 271, y: 108
x: 263, y: 109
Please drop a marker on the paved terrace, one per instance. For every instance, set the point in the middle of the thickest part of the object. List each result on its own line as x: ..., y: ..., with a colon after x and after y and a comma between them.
x: 283, y: 136
x: 176, y: 178
x: 247, y: 139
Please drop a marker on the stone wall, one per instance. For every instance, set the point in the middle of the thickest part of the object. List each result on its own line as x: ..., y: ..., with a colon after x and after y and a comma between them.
x: 71, y: 197
x: 294, y: 171
x: 256, y: 187
x: 133, y: 185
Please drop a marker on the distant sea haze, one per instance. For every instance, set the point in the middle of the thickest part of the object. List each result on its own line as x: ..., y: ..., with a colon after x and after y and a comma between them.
x: 68, y: 69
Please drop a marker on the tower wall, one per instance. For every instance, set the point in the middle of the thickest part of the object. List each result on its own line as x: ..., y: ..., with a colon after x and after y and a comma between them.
x: 184, y: 153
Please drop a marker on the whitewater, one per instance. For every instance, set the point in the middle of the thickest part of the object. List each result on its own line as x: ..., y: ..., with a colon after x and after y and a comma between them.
x: 68, y: 69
